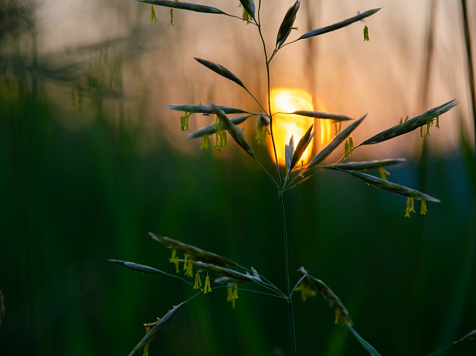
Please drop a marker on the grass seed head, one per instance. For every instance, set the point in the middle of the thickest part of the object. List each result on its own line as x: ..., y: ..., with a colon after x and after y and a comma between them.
x: 194, y: 252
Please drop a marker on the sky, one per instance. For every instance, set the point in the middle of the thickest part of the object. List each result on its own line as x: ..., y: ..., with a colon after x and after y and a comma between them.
x: 383, y: 77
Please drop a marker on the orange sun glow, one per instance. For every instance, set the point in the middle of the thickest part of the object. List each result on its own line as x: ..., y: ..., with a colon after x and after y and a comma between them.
x: 285, y: 126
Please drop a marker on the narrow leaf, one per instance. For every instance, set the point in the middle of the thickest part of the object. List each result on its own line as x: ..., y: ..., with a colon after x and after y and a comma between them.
x: 194, y: 252
x: 467, y: 337
x: 234, y: 130
x: 288, y: 153
x: 411, y: 124
x: 211, y: 129
x: 392, y: 187
x: 326, y: 151
x: 249, y: 6
x: 342, y: 314
x: 301, y: 147
x: 322, y: 115
x: 362, y: 166
x: 470, y: 336
x: 157, y: 329
x: 287, y: 24
x: 338, y: 25
x: 223, y: 271
x: 219, y: 69
x: 232, y: 274
x: 364, y: 343
x: 185, y: 6
x: 206, y: 109
x: 138, y: 267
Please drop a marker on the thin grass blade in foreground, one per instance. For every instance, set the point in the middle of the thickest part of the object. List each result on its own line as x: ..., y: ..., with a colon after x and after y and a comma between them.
x: 249, y: 6
x: 206, y: 109
x: 222, y: 271
x: 326, y: 151
x: 287, y: 24
x: 220, y: 70
x: 301, y: 147
x: 336, y: 26
x: 470, y: 336
x: 392, y: 187
x: 185, y: 6
x: 364, y: 343
x: 289, y: 153
x: 411, y: 124
x: 158, y: 328
x: 321, y: 115
x: 138, y: 267
x: 342, y: 314
x: 211, y: 129
x: 194, y: 252
x: 364, y: 165
x: 234, y: 130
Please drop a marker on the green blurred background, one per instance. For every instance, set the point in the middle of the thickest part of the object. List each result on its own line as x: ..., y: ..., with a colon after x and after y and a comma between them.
x: 90, y: 162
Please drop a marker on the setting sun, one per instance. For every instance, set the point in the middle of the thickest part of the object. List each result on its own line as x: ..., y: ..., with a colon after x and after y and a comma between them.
x: 285, y: 126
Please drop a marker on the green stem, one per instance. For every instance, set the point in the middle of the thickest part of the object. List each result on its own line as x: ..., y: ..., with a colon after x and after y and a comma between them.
x: 280, y: 192
x: 278, y: 173
x: 286, y: 266
x: 297, y: 284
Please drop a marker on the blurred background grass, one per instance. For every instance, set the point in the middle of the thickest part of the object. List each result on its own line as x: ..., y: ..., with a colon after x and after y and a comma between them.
x: 90, y: 161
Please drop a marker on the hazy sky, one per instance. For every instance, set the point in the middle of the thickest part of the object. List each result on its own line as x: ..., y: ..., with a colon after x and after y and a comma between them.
x: 382, y: 77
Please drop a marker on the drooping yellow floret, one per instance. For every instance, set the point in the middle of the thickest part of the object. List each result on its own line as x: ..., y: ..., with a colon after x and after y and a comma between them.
x: 198, y: 281
x: 383, y: 173
x: 232, y: 294
x: 410, y: 207
x: 306, y: 291
x: 423, y: 210
x: 175, y: 260
x: 207, y: 288
x: 189, y: 272
x: 366, y: 33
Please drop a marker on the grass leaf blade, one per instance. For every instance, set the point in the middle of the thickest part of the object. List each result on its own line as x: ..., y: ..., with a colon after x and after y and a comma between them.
x: 211, y: 129
x: 287, y: 24
x: 392, y: 187
x: 220, y: 70
x: 301, y: 147
x: 326, y: 151
x: 138, y: 267
x: 249, y: 6
x: 411, y: 124
x: 364, y: 165
x: 206, y: 109
x: 158, y: 328
x: 370, y: 349
x: 338, y: 25
x: 234, y: 130
x: 289, y: 153
x: 322, y: 115
x: 194, y: 252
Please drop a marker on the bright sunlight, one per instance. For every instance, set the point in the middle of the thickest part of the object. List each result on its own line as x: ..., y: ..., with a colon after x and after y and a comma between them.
x: 289, y: 100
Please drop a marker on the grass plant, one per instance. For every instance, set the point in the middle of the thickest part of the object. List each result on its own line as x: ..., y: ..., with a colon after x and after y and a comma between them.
x: 199, y: 264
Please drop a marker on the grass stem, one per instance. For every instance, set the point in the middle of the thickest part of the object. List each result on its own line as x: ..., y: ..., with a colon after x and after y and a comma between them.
x: 286, y: 267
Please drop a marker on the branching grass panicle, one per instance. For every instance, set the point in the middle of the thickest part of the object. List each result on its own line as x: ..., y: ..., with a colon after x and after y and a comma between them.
x: 192, y: 265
